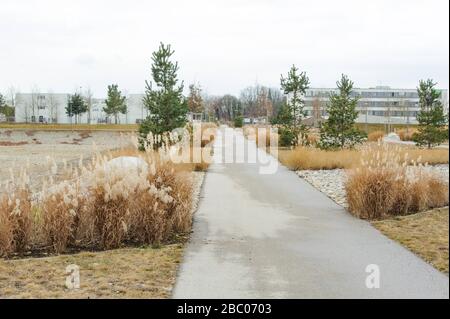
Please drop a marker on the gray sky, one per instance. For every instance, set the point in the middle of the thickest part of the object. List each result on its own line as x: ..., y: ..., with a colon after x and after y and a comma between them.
x: 225, y: 45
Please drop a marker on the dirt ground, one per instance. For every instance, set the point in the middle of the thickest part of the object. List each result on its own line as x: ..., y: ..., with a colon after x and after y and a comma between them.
x: 31, y: 149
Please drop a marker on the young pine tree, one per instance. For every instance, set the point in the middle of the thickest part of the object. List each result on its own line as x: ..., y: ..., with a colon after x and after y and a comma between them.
x: 295, y: 85
x: 339, y: 130
x: 115, y: 103
x: 2, y: 101
x: 165, y: 100
x: 432, y: 120
x: 76, y: 106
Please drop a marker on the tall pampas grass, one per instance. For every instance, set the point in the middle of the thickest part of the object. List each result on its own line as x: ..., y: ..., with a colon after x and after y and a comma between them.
x: 388, y: 183
x: 98, y: 205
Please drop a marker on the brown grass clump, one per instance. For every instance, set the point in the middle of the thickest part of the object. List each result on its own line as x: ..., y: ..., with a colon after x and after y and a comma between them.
x: 384, y: 185
x: 101, y: 205
x: 15, y: 222
x: 57, y: 222
x: 375, y: 136
x: 167, y: 214
x: 406, y: 134
x: 146, y: 206
x: 438, y: 195
x: 109, y: 218
x: 313, y: 139
x: 312, y: 158
x: 62, y: 214
x: 369, y: 193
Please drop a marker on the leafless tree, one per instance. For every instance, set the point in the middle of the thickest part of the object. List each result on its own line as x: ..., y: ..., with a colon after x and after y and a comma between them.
x: 33, y: 102
x: 317, y: 111
x: 53, y: 104
x: 88, y: 98
x: 12, y: 92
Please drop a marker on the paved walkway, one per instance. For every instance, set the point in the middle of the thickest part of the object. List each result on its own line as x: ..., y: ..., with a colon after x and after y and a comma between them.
x: 275, y: 236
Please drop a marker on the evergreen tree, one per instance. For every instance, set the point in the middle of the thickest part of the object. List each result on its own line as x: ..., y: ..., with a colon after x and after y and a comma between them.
x: 432, y: 120
x: 295, y: 85
x: 2, y: 101
x: 195, y: 100
x: 339, y: 130
x: 5, y: 109
x: 76, y: 106
x: 115, y: 103
x: 165, y: 101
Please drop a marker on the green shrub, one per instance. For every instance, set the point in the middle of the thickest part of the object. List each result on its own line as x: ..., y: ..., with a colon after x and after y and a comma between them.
x: 287, y: 137
x: 238, y: 121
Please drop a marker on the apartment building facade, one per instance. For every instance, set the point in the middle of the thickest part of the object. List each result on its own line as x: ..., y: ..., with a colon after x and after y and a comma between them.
x: 381, y: 105
x: 51, y: 108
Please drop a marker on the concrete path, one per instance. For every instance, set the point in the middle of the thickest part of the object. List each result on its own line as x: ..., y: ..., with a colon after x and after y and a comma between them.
x: 275, y: 236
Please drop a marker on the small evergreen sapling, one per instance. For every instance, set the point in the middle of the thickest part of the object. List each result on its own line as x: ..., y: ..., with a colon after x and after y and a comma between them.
x: 115, y: 103
x: 339, y: 130
x: 433, y: 129
x: 165, y: 101
x: 294, y: 85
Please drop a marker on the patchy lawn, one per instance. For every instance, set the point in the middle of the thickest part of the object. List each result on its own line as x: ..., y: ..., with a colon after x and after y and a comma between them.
x: 121, y: 273
x: 425, y: 234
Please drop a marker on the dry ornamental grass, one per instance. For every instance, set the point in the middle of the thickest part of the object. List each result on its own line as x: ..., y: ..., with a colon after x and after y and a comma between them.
x: 99, y: 206
x: 375, y: 136
x: 304, y: 158
x: 386, y: 185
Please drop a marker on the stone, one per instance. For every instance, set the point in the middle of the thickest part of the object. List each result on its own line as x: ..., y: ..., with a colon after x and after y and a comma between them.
x: 126, y: 163
x: 392, y: 137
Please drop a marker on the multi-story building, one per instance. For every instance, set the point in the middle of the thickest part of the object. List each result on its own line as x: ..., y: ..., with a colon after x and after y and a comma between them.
x: 51, y: 108
x: 381, y: 104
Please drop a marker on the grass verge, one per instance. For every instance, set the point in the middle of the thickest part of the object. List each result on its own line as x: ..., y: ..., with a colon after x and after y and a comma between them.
x: 425, y: 234
x: 120, y: 273
x: 315, y: 159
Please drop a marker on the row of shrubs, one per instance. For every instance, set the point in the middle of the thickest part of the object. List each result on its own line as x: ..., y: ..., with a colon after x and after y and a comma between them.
x: 387, y: 185
x: 98, y: 207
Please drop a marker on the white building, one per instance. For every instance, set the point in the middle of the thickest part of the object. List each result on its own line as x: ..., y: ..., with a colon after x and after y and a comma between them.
x: 51, y: 108
x: 381, y: 104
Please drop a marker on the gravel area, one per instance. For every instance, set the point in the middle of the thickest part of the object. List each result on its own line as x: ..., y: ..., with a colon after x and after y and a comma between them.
x: 31, y: 149
x: 331, y: 182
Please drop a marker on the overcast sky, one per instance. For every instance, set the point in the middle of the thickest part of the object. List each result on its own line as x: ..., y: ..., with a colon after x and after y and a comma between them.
x: 224, y: 45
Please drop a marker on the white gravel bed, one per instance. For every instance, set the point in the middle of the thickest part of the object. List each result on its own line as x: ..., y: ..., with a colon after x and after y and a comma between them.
x: 331, y: 182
